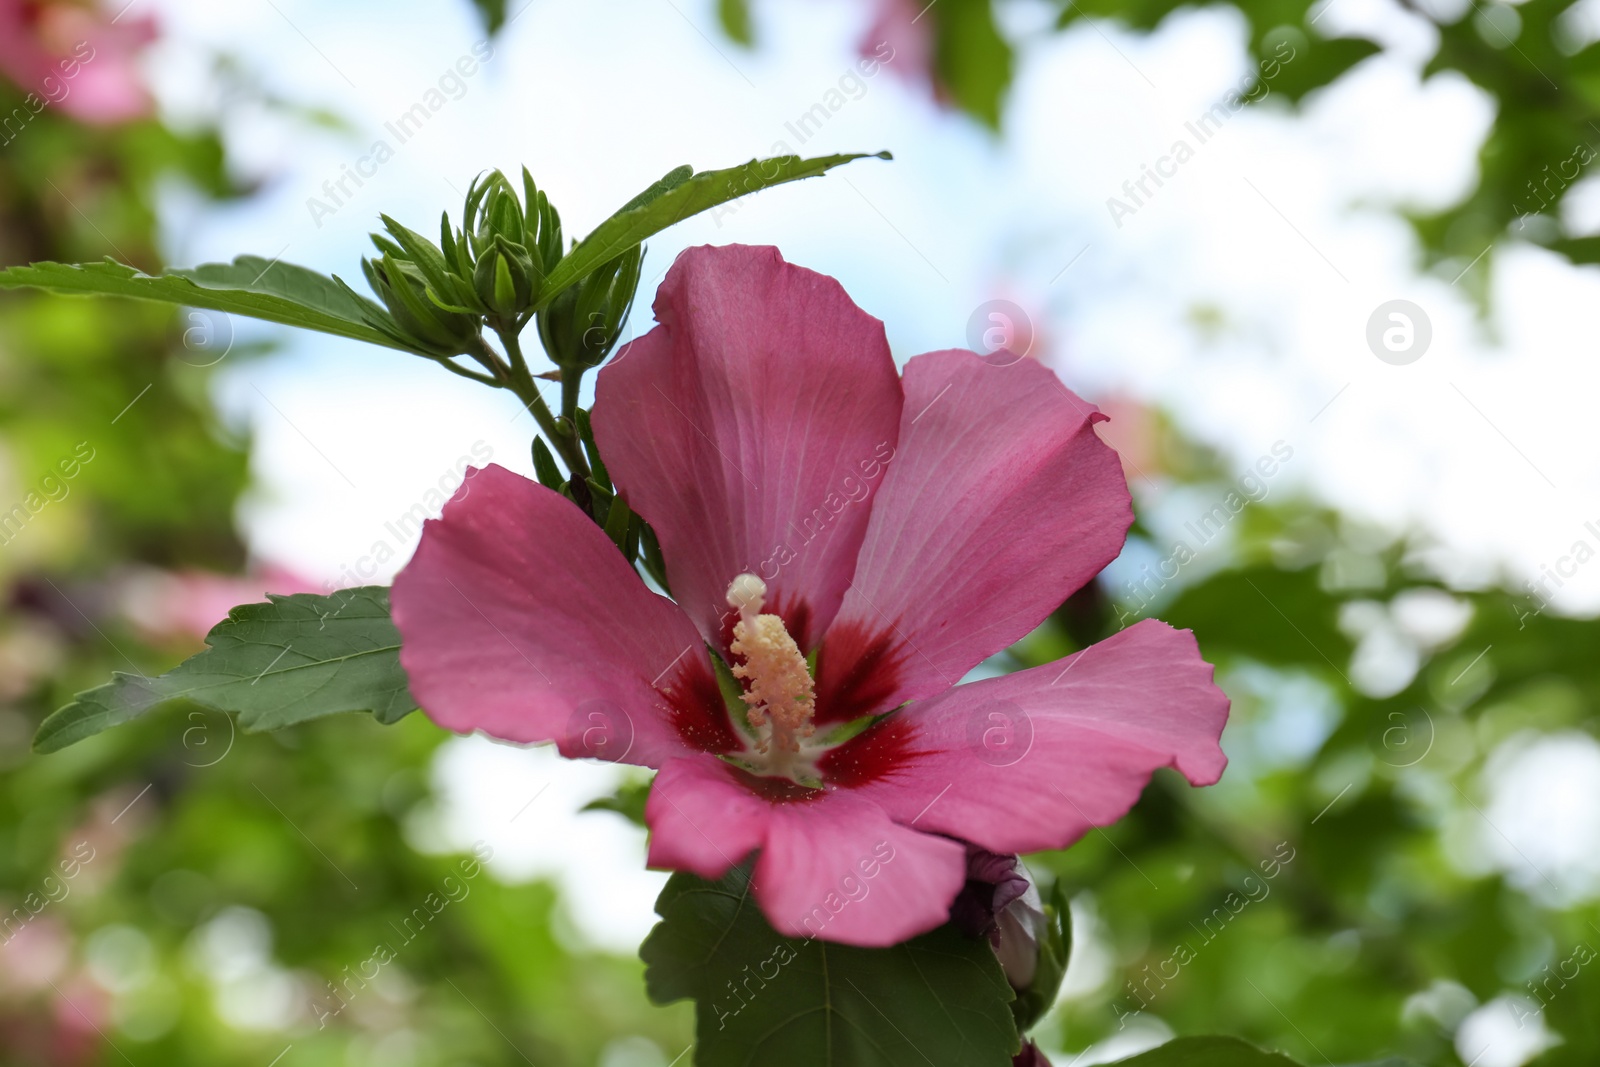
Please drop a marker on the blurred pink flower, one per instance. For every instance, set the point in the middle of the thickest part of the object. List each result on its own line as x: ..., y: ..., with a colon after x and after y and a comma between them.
x: 82, y: 1013
x: 37, y: 951
x: 76, y: 57
x: 185, y: 605
x: 903, y: 39
x: 1136, y: 435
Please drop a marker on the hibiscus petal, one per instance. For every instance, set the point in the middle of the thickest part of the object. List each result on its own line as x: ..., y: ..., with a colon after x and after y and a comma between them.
x: 1000, y: 503
x: 520, y: 618
x: 750, y: 429
x: 832, y: 865
x: 1035, y: 759
x: 839, y: 869
x: 703, y: 818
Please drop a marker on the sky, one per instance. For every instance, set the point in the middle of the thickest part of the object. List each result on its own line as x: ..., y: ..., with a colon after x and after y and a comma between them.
x: 1238, y: 296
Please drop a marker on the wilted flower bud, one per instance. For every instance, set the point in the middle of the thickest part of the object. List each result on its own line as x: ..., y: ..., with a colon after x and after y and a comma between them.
x: 1028, y: 937
x: 1030, y: 1056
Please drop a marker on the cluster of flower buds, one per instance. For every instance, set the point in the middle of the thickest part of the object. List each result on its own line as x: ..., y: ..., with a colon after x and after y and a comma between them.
x: 490, y: 270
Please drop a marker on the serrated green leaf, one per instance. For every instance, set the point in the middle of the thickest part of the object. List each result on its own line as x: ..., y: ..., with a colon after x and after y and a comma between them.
x: 680, y: 201
x: 261, y: 289
x: 939, y: 1000
x: 275, y: 664
x: 667, y: 182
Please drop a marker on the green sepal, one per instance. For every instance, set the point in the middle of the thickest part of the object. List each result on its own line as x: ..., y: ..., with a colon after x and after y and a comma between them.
x: 630, y: 549
x: 544, y: 466
x: 655, y: 565
x: 602, y: 495
x: 619, y: 517
x: 590, y: 449
x: 1055, y: 946
x: 422, y: 252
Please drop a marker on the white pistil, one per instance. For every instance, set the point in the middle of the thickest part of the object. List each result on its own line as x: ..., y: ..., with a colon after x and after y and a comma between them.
x: 778, y: 687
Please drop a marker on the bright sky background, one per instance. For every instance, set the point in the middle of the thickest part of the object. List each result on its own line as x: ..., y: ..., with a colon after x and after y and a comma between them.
x: 1237, y: 297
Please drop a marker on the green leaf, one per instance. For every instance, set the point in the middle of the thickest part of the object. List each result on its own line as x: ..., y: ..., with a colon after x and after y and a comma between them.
x: 274, y: 664
x: 657, y: 208
x: 668, y: 182
x: 938, y: 1000
x: 972, y: 60
x: 493, y: 14
x: 1317, y: 62
x: 275, y: 291
x: 1578, y: 249
x: 735, y: 18
x: 628, y: 800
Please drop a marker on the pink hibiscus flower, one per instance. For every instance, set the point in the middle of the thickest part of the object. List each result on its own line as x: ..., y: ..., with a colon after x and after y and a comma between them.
x: 72, y: 56
x: 904, y: 40
x: 899, y: 529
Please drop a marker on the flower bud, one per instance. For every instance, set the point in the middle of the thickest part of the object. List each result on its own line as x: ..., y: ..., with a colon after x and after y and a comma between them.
x: 582, y: 325
x: 403, y: 290
x: 526, y: 231
x: 1029, y: 938
x: 502, y: 279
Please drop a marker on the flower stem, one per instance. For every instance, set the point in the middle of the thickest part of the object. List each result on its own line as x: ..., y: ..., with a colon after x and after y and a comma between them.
x: 562, y: 435
x: 571, y: 379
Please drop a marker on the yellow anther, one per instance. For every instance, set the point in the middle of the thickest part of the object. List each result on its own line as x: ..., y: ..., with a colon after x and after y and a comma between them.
x: 778, y: 686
